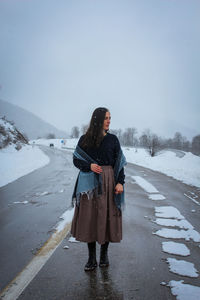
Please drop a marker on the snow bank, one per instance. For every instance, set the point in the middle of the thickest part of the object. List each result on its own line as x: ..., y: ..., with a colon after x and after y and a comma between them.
x: 15, y: 164
x: 185, y: 169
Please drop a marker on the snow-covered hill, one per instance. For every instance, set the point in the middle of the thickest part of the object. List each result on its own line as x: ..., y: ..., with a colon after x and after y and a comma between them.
x: 10, y: 135
x: 28, y: 123
x: 17, y: 157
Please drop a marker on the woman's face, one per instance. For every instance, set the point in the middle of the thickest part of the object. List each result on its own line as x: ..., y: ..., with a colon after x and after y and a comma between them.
x: 107, y: 119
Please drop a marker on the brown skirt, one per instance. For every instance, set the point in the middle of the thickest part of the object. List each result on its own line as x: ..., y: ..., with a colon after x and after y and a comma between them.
x: 98, y: 219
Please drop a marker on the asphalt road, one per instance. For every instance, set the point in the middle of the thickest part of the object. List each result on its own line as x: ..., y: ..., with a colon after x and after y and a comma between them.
x: 137, y: 264
x: 24, y: 228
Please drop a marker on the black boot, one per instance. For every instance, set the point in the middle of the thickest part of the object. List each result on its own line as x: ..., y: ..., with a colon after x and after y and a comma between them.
x: 104, y: 262
x: 92, y: 262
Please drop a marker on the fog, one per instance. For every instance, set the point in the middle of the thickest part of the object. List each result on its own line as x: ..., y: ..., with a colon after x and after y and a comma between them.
x: 140, y: 59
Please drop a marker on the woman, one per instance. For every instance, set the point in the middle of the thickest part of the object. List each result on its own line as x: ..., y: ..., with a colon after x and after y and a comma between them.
x: 99, y: 188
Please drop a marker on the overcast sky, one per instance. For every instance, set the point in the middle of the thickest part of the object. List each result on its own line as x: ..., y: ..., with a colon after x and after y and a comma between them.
x: 140, y: 59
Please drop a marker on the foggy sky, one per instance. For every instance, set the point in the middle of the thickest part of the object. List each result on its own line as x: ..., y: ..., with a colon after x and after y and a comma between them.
x: 140, y: 59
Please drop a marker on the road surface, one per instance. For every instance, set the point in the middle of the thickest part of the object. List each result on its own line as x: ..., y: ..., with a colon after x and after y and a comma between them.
x: 137, y: 264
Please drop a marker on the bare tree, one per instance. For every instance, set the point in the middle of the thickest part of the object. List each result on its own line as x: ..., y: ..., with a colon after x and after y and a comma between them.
x: 178, y: 140
x: 186, y: 145
x: 118, y: 133
x: 143, y: 140
x: 169, y: 143
x: 150, y: 141
x: 51, y: 136
x: 128, y: 136
x: 196, y: 145
x: 75, y: 132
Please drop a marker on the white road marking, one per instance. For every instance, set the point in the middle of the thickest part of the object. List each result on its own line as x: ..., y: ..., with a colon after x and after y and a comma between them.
x: 195, y: 201
x: 14, y: 289
x: 145, y: 185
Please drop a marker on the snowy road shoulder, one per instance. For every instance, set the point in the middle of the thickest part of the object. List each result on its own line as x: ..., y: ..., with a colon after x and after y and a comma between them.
x: 185, y: 169
x: 15, y: 164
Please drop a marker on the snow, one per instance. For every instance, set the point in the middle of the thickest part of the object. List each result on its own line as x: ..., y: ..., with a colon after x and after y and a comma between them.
x: 179, y: 234
x: 156, y: 197
x: 15, y: 164
x: 174, y: 223
x: 66, y: 218
x: 66, y: 247
x: 168, y: 212
x: 175, y: 248
x: 182, y: 267
x: 22, y: 202
x: 184, y: 291
x: 73, y: 240
x: 7, y: 125
x: 185, y: 169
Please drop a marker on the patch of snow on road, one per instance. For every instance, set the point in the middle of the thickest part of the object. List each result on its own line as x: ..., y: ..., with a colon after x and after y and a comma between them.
x: 184, y: 291
x: 179, y: 234
x: 174, y: 223
x: 156, y: 197
x: 22, y: 202
x: 175, y: 248
x: 66, y: 218
x: 168, y: 212
x: 73, y: 240
x: 145, y: 185
x: 42, y: 193
x: 182, y: 267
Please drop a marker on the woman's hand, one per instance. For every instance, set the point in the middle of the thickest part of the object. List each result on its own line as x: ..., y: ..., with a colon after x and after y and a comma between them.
x: 119, y: 188
x: 96, y: 168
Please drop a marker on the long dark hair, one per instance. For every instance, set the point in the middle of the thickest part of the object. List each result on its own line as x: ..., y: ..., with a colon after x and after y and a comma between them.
x: 94, y: 134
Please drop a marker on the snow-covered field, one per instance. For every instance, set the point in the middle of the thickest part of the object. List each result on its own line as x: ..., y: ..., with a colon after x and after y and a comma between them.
x: 185, y: 169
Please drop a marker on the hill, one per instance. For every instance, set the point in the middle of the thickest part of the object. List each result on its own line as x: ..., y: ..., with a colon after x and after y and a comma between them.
x: 9, y: 135
x: 27, y: 123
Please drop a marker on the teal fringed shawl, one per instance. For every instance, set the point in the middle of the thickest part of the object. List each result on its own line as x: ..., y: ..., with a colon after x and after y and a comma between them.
x: 90, y: 182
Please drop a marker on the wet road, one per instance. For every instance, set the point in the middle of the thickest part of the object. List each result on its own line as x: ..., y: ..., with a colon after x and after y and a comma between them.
x: 137, y: 264
x: 24, y: 228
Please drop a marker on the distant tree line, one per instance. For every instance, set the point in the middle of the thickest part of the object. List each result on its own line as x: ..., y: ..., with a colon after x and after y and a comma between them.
x: 148, y: 140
